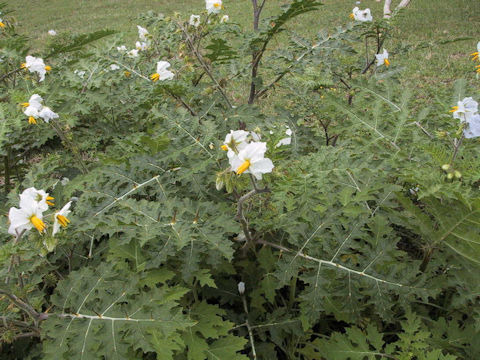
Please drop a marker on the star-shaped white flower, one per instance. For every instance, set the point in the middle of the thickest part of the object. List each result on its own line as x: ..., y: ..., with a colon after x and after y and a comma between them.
x: 473, y: 127
x: 40, y: 197
x: 133, y: 53
x: 361, y: 15
x: 382, y: 59
x: 52, y: 32
x: 213, y: 6
x: 61, y: 218
x: 122, y: 48
x: 47, y: 114
x: 32, y: 108
x: 194, y: 20
x: 252, y: 160
x: 142, y: 33
x: 36, y: 65
x: 27, y: 217
x: 465, y: 109
x: 162, y: 72
x: 286, y: 140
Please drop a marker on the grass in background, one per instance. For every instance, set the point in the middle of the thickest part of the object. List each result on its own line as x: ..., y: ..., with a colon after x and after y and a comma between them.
x: 425, y: 22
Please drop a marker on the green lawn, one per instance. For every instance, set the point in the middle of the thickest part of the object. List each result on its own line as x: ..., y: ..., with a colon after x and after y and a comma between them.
x: 427, y: 23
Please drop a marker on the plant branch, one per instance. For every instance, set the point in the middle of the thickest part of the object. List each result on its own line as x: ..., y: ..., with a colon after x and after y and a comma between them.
x: 249, y: 328
x: 204, y: 65
x: 10, y: 73
x: 380, y: 41
x: 21, y: 304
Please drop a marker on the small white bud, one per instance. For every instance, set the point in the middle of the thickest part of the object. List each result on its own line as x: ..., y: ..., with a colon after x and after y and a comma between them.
x: 241, y: 287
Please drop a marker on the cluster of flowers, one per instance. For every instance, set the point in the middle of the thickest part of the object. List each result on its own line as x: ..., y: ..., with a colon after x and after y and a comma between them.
x: 141, y: 45
x: 36, y: 65
x: 33, y: 203
x: 213, y: 7
x: 34, y: 110
x: 467, y: 112
x: 247, y: 156
x: 476, y: 56
x: 361, y: 15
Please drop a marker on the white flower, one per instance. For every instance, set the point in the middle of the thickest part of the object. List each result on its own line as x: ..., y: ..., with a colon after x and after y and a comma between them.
x: 255, y: 136
x: 251, y: 160
x: 142, y: 33
x: 287, y: 140
x: 224, y: 19
x: 114, y: 67
x: 80, y: 73
x: 194, y: 20
x: 144, y: 45
x: 40, y: 197
x: 465, y: 109
x: 122, y: 48
x: 162, y: 72
x: 61, y: 218
x: 473, y: 127
x: 241, y: 287
x: 32, y: 108
x: 133, y: 53
x: 361, y: 15
x: 213, y: 6
x: 28, y: 216
x: 52, y: 32
x: 47, y: 114
x: 37, y: 65
x: 235, y: 141
x: 382, y: 58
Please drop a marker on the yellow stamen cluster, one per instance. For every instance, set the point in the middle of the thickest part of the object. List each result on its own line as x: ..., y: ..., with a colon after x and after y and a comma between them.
x: 478, y: 69
x: 217, y: 5
x: 351, y: 16
x: 23, y: 65
x: 38, y: 223
x: 387, y: 62
x: 127, y: 73
x: 32, y: 120
x: 49, y: 202
x: 2, y: 25
x: 242, y: 168
x: 25, y: 104
x: 48, y: 68
x: 455, y: 108
x: 224, y: 147
x: 155, y: 77
x: 63, y: 220
x: 475, y: 55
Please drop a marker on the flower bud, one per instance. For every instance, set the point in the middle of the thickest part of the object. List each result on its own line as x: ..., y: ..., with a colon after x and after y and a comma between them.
x: 241, y: 288
x: 446, y: 167
x: 219, y: 182
x: 457, y: 174
x: 450, y: 176
x: 441, y: 134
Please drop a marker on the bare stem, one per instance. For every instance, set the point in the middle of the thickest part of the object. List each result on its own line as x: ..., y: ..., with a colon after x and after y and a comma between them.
x: 249, y: 328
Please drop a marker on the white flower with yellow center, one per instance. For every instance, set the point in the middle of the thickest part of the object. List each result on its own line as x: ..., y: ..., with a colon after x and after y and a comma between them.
x: 47, y: 114
x: 142, y: 33
x: 224, y: 19
x: 252, y: 160
x: 476, y: 54
x: 61, y: 218
x: 194, y: 20
x: 235, y: 141
x: 465, y: 109
x: 40, y: 197
x: 361, y: 15
x: 213, y: 6
x: 133, y: 53
x: 52, y: 32
x: 162, y: 72
x: 142, y: 46
x: 32, y: 108
x: 27, y: 217
x: 383, y: 58
x: 36, y: 65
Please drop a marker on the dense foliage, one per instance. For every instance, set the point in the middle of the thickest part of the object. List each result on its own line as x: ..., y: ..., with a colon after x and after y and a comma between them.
x: 362, y: 243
